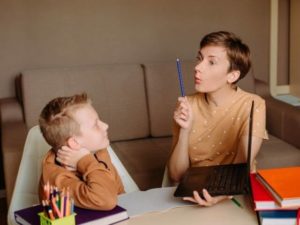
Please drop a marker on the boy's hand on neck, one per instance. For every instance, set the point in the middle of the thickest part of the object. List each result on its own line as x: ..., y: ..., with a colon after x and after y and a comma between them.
x: 69, y: 157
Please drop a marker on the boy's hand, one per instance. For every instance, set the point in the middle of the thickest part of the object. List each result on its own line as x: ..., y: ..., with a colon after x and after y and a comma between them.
x: 183, y: 114
x: 208, y: 200
x: 70, y: 157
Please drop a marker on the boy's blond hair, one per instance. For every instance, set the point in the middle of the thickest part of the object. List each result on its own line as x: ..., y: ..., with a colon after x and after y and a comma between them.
x: 56, y: 121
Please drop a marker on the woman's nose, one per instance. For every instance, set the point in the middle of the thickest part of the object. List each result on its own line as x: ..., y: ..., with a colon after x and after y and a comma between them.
x: 198, y: 66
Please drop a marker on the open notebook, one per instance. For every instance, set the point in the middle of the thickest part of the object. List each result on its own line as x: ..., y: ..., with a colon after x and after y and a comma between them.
x: 231, y: 179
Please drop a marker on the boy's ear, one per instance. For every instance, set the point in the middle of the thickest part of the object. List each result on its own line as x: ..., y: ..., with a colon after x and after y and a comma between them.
x: 233, y: 76
x: 73, y: 143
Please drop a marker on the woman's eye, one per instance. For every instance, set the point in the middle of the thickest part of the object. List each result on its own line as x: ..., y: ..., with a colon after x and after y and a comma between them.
x: 211, y: 62
x: 199, y: 57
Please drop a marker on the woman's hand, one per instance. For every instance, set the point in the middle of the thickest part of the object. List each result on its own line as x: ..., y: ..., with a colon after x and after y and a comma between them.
x: 70, y: 157
x: 208, y: 200
x: 183, y: 114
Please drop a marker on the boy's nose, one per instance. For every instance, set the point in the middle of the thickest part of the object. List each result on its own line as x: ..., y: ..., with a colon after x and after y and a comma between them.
x: 105, y: 126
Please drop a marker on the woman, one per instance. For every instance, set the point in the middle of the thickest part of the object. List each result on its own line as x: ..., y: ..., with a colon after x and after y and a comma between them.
x: 211, y: 125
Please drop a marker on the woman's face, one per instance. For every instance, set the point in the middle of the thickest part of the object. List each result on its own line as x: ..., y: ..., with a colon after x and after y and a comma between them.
x: 211, y: 71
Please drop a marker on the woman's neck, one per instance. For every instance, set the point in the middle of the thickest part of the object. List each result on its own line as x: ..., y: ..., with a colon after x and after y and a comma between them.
x: 221, y: 97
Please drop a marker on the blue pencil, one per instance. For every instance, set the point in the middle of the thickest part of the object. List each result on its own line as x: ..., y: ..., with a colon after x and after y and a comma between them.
x: 180, y: 77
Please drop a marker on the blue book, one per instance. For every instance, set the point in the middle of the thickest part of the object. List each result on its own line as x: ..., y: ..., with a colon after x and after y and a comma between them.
x: 29, y: 216
x: 278, y: 217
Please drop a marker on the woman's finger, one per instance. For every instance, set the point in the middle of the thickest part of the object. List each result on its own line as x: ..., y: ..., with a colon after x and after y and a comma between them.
x: 190, y: 199
x: 208, y: 197
x: 199, y: 200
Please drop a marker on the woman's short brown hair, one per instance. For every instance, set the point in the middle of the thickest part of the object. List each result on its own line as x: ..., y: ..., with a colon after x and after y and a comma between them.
x: 238, y: 53
x: 56, y: 121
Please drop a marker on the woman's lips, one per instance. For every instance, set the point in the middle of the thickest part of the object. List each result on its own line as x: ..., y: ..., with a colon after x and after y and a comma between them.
x: 197, y: 81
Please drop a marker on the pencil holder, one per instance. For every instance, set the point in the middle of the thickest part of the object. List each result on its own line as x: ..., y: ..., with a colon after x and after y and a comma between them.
x: 67, y: 220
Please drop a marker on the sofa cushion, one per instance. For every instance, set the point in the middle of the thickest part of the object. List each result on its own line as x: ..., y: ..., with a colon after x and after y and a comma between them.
x: 145, y: 159
x: 117, y: 92
x: 277, y: 153
x: 163, y: 90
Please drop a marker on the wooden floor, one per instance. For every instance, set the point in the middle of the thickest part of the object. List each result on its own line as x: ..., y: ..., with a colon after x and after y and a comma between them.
x: 3, y: 211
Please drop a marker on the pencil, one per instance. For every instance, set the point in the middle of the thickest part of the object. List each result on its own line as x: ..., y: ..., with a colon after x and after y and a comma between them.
x: 180, y: 77
x: 55, y: 208
x: 50, y: 213
x: 62, y: 201
x: 236, y: 202
x: 67, y: 208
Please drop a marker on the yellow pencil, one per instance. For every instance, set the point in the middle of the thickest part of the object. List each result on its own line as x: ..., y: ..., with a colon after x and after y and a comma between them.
x: 68, y: 203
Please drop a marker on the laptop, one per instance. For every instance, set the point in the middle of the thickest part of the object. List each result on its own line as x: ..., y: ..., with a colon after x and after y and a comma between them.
x: 231, y: 179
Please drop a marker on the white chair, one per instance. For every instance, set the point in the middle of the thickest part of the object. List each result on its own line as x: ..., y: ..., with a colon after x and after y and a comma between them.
x: 25, y: 193
x: 167, y: 182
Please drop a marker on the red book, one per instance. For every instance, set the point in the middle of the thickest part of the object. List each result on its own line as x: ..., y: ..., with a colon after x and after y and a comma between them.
x: 261, y: 197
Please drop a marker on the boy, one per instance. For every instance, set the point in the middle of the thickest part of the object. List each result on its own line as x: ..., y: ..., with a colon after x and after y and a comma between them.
x: 78, y: 159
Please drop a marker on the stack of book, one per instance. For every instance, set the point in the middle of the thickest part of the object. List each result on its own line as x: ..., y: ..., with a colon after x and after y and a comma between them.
x: 276, y: 195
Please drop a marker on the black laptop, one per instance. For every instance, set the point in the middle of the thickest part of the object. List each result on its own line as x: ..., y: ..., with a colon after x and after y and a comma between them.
x: 231, y: 179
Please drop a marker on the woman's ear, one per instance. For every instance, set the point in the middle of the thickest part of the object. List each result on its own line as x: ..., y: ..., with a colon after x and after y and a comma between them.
x: 73, y: 143
x: 233, y: 76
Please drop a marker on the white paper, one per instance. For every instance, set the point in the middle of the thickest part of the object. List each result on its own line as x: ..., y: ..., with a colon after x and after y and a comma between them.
x: 157, y: 199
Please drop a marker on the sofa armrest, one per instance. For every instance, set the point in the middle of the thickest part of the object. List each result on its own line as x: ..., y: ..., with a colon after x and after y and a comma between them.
x: 10, y: 111
x: 13, y: 134
x: 282, y: 119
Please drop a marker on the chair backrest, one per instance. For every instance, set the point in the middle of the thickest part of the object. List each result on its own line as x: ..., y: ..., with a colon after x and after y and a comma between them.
x: 26, y: 187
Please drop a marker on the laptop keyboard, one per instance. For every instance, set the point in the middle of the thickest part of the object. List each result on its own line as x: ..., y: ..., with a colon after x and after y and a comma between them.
x: 229, y: 178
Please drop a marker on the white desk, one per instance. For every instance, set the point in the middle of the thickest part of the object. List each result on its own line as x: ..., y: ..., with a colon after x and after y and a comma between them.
x: 223, y: 213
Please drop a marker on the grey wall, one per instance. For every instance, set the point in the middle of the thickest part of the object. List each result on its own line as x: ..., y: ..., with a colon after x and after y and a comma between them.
x: 49, y: 33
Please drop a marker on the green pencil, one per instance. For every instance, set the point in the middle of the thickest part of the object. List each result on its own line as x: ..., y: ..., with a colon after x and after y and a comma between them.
x: 236, y: 202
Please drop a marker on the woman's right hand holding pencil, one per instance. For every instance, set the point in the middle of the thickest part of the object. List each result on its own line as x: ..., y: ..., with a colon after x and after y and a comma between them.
x: 183, y: 115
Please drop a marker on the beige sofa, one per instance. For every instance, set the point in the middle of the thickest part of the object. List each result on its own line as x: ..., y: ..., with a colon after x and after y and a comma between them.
x: 137, y: 101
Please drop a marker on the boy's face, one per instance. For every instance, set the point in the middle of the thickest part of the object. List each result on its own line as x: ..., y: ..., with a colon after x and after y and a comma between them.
x: 211, y: 71
x: 93, y: 131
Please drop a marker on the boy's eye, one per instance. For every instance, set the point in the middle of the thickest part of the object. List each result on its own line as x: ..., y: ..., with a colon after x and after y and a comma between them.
x: 211, y: 62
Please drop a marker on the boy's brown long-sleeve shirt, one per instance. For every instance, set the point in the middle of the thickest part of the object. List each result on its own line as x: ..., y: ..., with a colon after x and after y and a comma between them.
x: 95, y: 185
